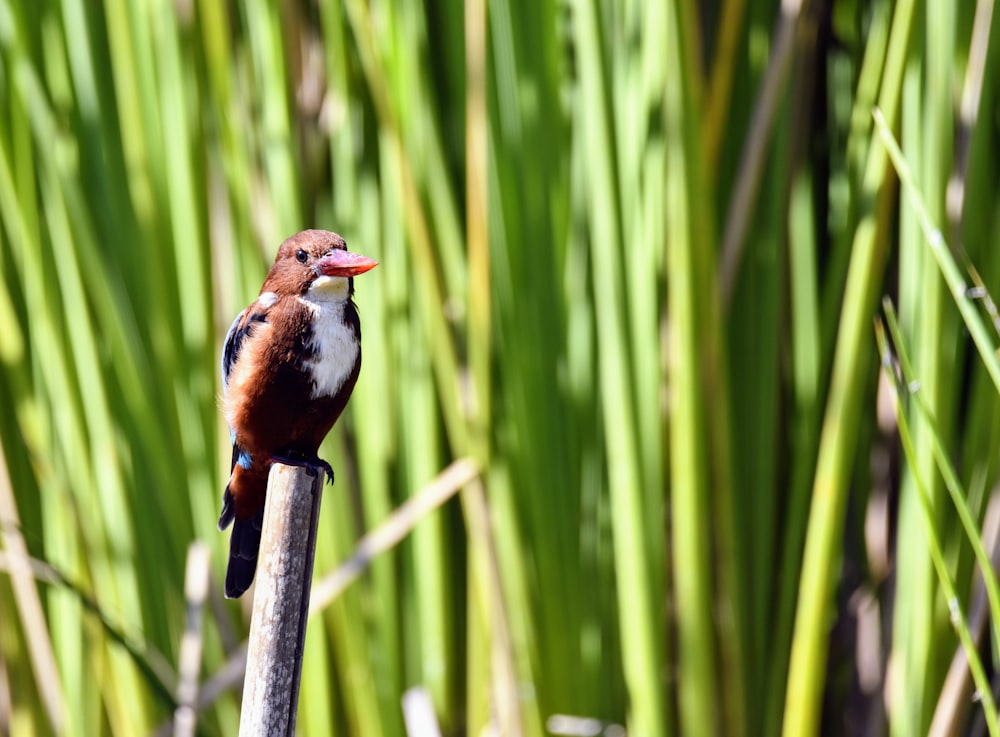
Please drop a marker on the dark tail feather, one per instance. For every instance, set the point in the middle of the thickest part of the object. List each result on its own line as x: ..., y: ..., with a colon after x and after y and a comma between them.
x: 228, y: 509
x: 244, y: 545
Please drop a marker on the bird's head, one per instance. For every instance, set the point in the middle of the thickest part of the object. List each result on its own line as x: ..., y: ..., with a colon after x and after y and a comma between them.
x: 316, y: 263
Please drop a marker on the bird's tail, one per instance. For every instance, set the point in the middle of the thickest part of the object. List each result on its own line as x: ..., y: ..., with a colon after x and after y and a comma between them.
x: 244, y: 545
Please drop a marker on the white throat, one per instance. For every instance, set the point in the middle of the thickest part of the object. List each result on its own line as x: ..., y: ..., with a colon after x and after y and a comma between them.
x: 328, y: 289
x: 334, y: 341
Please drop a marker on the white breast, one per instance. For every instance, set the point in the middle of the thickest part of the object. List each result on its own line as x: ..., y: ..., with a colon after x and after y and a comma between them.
x: 335, y: 344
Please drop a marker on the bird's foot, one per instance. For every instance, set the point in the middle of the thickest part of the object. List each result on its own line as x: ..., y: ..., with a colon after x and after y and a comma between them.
x: 314, y: 464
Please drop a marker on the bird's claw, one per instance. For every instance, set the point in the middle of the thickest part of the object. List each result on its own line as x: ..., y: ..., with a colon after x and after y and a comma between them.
x: 327, y: 469
x: 313, y: 465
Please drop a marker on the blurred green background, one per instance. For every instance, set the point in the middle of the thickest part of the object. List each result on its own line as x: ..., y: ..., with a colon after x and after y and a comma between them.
x: 621, y: 351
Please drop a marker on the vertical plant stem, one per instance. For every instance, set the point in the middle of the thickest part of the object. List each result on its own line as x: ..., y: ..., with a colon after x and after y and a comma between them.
x: 837, y: 440
x: 638, y: 568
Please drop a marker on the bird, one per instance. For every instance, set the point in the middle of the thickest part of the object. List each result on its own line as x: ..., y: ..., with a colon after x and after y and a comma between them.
x: 289, y: 364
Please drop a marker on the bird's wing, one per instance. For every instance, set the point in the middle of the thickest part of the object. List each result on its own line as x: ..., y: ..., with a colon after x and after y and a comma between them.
x: 237, y: 334
x: 242, y: 326
x: 240, y: 329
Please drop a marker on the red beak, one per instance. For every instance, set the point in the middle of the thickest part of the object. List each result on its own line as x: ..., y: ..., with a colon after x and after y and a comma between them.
x: 344, y: 263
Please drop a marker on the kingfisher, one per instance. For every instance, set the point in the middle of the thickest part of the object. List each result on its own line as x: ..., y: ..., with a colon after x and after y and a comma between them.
x: 289, y: 364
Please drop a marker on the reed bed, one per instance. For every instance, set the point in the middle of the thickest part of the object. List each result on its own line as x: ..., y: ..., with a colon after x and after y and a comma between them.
x: 679, y: 407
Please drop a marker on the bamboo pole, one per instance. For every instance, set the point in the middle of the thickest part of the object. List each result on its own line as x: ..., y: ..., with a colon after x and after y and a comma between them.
x: 281, y: 602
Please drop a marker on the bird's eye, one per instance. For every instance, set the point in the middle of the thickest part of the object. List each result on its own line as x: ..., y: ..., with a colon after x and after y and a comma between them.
x: 301, y: 256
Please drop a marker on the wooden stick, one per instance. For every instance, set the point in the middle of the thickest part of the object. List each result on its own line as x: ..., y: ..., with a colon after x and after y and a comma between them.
x: 281, y: 602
